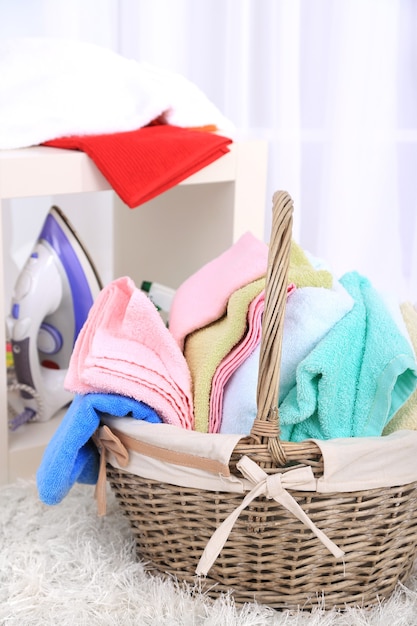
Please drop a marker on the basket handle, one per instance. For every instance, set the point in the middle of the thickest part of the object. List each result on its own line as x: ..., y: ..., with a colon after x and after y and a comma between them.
x: 266, y: 424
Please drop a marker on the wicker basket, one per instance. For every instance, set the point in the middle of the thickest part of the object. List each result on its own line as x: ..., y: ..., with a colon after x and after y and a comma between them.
x: 271, y: 557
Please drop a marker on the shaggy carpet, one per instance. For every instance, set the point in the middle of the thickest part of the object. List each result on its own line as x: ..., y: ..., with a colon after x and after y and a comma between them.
x: 63, y: 565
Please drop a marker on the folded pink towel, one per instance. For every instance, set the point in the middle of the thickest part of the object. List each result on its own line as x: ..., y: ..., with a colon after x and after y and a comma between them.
x: 125, y: 348
x: 111, y: 301
x: 203, y: 297
x: 236, y: 357
x: 232, y: 361
x: 206, y: 347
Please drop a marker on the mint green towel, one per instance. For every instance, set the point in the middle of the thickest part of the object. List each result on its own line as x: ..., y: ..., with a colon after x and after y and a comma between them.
x: 354, y: 381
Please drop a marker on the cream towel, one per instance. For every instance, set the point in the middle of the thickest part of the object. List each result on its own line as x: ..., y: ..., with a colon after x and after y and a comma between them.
x: 302, y: 272
x: 406, y: 416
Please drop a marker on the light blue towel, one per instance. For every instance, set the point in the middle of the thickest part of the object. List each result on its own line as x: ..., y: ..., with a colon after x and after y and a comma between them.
x: 71, y: 456
x: 239, y: 397
x: 309, y: 315
x: 352, y: 383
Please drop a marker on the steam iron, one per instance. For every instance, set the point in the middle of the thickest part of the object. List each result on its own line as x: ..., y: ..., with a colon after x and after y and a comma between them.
x: 51, y: 300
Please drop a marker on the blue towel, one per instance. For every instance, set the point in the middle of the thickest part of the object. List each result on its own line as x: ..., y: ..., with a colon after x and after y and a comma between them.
x: 353, y: 382
x: 71, y: 456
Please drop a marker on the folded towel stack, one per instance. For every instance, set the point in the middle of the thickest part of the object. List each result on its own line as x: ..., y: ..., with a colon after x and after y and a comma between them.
x: 137, y: 122
x: 310, y: 313
x: 211, y: 344
x: 348, y: 363
x: 354, y: 380
x: 347, y: 367
x: 125, y: 348
x: 125, y: 363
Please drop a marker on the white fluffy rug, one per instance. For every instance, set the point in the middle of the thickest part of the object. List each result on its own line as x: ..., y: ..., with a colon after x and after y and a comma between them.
x: 63, y: 565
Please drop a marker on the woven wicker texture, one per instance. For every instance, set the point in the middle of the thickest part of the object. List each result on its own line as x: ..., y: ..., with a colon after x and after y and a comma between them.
x: 270, y: 556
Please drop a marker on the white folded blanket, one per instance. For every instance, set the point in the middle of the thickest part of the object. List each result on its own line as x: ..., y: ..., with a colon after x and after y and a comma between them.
x: 52, y: 88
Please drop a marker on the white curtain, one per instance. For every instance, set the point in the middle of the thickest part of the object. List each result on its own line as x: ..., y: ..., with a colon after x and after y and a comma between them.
x: 330, y: 84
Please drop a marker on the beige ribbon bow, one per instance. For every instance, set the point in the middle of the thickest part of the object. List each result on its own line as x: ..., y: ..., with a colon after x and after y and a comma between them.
x: 272, y: 486
x: 106, y: 441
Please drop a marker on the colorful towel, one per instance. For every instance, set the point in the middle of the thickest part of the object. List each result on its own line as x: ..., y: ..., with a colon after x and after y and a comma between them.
x: 145, y: 162
x: 236, y: 358
x: 206, y: 347
x: 70, y: 455
x: 239, y: 398
x: 311, y: 312
x: 302, y: 272
x: 406, y: 416
x: 353, y: 382
x: 125, y: 348
x: 202, y: 298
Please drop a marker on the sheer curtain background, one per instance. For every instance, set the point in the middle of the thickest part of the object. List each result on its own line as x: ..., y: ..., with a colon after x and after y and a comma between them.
x: 330, y: 84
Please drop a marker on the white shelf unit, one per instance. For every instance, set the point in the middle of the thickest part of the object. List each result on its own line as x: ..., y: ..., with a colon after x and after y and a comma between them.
x: 164, y: 240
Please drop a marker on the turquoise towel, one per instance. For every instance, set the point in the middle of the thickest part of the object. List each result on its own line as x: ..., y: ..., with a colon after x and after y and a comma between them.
x: 353, y: 382
x: 70, y: 456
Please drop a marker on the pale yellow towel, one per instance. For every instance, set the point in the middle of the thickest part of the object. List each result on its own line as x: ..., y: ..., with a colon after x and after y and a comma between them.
x: 206, y: 347
x: 302, y: 273
x: 406, y: 416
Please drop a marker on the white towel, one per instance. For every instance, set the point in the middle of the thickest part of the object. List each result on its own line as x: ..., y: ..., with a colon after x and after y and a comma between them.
x: 51, y: 88
x: 310, y: 313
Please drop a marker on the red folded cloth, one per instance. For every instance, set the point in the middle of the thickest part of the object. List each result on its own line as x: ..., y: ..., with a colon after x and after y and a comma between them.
x: 144, y: 163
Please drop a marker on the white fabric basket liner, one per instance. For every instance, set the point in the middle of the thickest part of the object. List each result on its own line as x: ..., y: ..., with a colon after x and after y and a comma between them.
x: 350, y: 464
